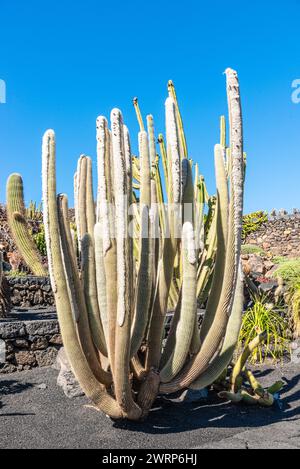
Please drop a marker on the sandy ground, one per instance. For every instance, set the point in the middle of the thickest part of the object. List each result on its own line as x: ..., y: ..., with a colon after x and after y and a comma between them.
x: 33, y: 415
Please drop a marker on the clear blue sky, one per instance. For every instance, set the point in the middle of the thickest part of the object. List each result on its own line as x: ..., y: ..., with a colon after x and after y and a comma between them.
x: 65, y: 62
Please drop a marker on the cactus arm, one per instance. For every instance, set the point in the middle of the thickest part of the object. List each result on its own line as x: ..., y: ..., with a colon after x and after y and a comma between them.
x: 122, y: 344
x: 160, y: 305
x: 170, y: 240
x: 183, y: 144
x: 221, y: 362
x: 88, y: 272
x: 185, y: 319
x: 74, y: 242
x: 101, y: 280
x: 90, y: 204
x: 165, y: 164
x: 174, y: 149
x: 195, y: 343
x: 76, y: 295
x: 207, y: 257
x: 159, y: 198
x: 81, y: 184
x: 104, y: 230
x: 154, y: 211
x: 222, y: 232
x: 241, y: 362
x: 138, y: 114
x: 137, y: 369
x: 132, y: 263
x: 70, y: 267
x: 213, y: 339
x: 77, y: 359
x: 144, y: 280
x: 223, y: 132
x: 19, y: 227
x: 185, y: 327
x: 254, y: 383
x: 171, y: 339
x: 110, y: 266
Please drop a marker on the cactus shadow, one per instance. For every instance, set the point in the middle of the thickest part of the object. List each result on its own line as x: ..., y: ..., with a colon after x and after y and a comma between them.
x: 167, y: 417
x: 11, y: 387
x: 8, y: 387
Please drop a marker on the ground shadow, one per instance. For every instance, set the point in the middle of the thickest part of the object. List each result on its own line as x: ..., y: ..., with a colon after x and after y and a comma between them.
x: 169, y: 417
x: 13, y: 387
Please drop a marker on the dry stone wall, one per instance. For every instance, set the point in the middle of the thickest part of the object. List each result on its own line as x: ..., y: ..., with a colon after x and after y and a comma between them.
x: 25, y: 344
x: 280, y: 235
x: 30, y: 291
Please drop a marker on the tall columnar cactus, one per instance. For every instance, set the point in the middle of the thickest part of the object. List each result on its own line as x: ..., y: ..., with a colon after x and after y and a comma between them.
x: 19, y: 227
x: 112, y: 312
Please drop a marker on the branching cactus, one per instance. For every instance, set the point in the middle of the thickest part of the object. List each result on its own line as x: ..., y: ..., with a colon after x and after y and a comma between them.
x: 19, y: 227
x: 145, y: 245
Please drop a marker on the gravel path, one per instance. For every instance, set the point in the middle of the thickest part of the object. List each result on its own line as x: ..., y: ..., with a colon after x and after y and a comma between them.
x: 34, y: 413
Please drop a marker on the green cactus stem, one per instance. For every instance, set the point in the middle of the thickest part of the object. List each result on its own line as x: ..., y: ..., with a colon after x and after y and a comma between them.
x: 19, y: 227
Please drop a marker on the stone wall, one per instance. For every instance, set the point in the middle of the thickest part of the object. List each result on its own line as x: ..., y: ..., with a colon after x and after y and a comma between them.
x: 25, y: 344
x: 280, y: 235
x: 30, y: 291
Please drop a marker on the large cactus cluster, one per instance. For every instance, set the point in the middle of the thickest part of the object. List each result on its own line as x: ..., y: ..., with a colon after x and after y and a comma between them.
x: 18, y: 225
x: 154, y: 239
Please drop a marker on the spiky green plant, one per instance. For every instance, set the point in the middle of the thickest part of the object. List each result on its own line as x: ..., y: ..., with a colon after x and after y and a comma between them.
x: 289, y: 271
x: 112, y: 313
x: 270, y: 318
x: 19, y: 227
x: 40, y: 240
x: 252, y: 222
x: 34, y: 212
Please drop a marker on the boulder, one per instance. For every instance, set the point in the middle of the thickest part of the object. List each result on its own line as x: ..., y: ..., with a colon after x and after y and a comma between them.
x: 255, y: 263
x: 66, y: 379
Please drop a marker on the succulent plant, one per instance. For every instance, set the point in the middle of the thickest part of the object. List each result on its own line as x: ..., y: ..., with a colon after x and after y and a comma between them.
x: 18, y: 225
x: 112, y: 310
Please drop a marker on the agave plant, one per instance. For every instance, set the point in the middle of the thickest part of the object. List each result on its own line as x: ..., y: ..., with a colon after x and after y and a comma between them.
x: 135, y: 262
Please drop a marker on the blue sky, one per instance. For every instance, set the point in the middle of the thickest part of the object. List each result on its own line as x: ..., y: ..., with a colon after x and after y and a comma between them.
x: 65, y: 62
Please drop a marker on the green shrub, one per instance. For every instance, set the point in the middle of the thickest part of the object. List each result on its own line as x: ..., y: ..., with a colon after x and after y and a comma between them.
x: 293, y: 301
x: 252, y: 249
x: 289, y: 271
x: 269, y: 318
x: 279, y: 259
x: 40, y: 241
x: 253, y: 222
x: 16, y: 273
x: 34, y: 211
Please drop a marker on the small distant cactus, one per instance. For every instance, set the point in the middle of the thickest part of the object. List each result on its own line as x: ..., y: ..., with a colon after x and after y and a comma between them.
x: 18, y: 225
x: 112, y: 310
x: 34, y: 212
